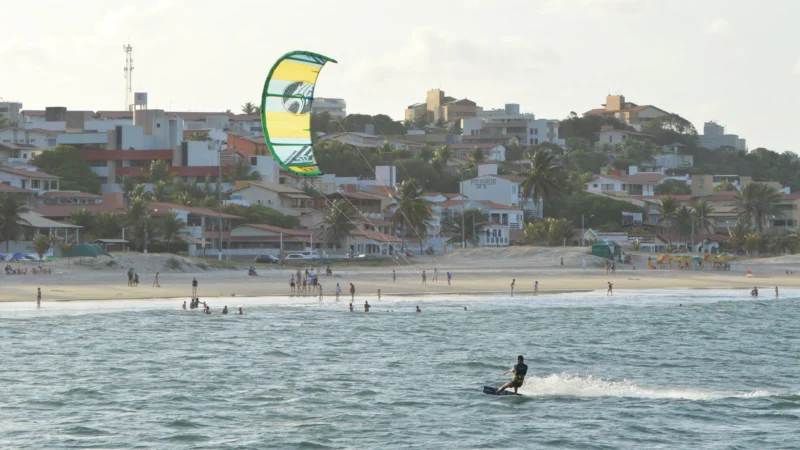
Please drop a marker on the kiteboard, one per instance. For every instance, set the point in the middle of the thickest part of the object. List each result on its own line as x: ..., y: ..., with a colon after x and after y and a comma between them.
x: 493, y: 391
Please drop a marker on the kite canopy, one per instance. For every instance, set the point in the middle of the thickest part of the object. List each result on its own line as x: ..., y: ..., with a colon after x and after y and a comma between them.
x: 286, y: 110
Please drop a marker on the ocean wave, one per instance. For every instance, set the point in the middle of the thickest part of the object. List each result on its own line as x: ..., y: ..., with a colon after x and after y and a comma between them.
x: 588, y: 386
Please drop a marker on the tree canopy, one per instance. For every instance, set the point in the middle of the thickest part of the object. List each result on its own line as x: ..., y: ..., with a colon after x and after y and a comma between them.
x: 65, y: 162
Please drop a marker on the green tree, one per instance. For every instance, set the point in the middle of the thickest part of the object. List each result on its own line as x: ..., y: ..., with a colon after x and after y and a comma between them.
x: 11, y: 210
x: 242, y: 170
x: 636, y: 152
x: 259, y: 214
x: 160, y: 192
x: 107, y: 226
x: 41, y: 244
x: 426, y: 153
x: 725, y: 186
x: 420, y: 122
x: 755, y: 203
x: 320, y: 123
x: 737, y: 236
x: 170, y: 225
x: 752, y: 242
x: 467, y: 226
x: 702, y: 212
x: 83, y: 218
x: 673, y: 187
x: 411, y: 211
x: 477, y: 157
x: 554, y: 231
x: 128, y: 184
x: 670, y: 129
x: 543, y: 182
x: 682, y: 221
x: 668, y: 207
x: 66, y: 163
x: 199, y: 137
x: 339, y: 221
x: 159, y: 171
x: 249, y: 108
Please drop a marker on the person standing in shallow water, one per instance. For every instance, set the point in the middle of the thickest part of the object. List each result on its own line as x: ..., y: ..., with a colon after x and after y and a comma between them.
x: 194, y: 287
x: 39, y: 296
x: 610, y: 290
x: 352, y: 292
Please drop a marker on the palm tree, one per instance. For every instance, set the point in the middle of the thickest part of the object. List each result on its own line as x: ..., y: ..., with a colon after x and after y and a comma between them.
x: 755, y: 203
x: 702, y: 211
x: 182, y: 198
x: 107, y: 225
x: 737, y: 236
x: 411, y: 211
x: 139, y: 192
x: 137, y: 218
x: 426, y: 153
x: 11, y: 210
x: 472, y: 220
x: 682, y: 223
x: 160, y: 191
x: 159, y: 171
x: 83, y: 218
x: 443, y: 154
x: 127, y: 183
x: 668, y: 207
x: 202, y: 137
x: 41, y: 244
x: 242, y: 170
x: 476, y: 157
x: 170, y: 226
x: 752, y: 241
x: 249, y: 108
x: 542, y: 183
x: 339, y: 221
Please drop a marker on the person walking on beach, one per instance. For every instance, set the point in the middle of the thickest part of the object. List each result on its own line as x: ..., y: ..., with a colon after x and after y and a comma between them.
x: 776, y: 291
x: 449, y: 276
x: 536, y: 288
x: 562, y: 262
x: 613, y: 268
x: 583, y: 263
x: 352, y: 292
x: 610, y: 290
x: 607, y: 267
x: 394, y: 277
x: 135, y: 279
x: 194, y: 286
x: 513, y: 283
x: 39, y: 296
x: 435, y: 275
x: 130, y: 277
x: 337, y: 291
x: 424, y: 278
x: 155, y: 281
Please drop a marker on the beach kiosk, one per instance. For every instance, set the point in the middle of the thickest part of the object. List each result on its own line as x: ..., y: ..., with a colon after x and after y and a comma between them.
x: 607, y: 249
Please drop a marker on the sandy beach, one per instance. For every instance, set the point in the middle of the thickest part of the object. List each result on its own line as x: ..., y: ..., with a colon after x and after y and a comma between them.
x: 475, y: 271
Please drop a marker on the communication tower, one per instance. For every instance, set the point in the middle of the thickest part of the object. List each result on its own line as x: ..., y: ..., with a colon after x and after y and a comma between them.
x: 128, y: 74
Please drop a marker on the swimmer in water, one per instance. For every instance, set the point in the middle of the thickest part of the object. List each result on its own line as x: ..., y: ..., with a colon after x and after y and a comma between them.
x: 513, y: 283
x: 366, y: 306
x: 241, y: 313
x: 225, y: 310
x: 418, y: 310
x: 379, y: 294
x: 351, y: 306
x: 184, y: 305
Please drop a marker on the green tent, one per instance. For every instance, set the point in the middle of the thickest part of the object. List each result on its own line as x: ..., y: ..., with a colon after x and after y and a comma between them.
x: 89, y: 250
x: 607, y: 249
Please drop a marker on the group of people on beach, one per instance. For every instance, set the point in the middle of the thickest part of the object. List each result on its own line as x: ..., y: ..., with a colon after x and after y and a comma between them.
x: 309, y: 281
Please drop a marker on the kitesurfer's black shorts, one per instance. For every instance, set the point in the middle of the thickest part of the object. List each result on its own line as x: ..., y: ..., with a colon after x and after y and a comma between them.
x: 516, y: 384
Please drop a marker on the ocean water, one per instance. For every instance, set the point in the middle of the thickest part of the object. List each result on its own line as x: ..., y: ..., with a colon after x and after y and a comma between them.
x: 669, y: 369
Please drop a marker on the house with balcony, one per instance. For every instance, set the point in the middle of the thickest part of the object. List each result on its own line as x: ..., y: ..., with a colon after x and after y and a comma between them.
x: 29, y: 178
x: 628, y: 112
x: 639, y: 184
x: 285, y: 199
x: 505, y: 190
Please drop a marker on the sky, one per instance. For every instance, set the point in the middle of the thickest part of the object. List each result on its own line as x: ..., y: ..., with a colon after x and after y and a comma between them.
x: 736, y: 62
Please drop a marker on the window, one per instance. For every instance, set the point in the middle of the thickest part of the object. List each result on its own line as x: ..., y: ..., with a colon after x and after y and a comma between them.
x: 34, y: 184
x: 513, y: 189
x: 536, y: 141
x: 536, y: 131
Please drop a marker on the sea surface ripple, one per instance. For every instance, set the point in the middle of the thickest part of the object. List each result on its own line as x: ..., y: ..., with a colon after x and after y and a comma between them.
x: 669, y: 369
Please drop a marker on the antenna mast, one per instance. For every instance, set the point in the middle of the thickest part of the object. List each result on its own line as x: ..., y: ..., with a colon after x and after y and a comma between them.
x: 128, y: 74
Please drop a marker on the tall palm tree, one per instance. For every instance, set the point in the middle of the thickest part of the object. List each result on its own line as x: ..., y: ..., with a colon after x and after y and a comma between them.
x: 83, y: 218
x: 107, y: 225
x: 127, y: 183
x: 411, y: 211
x: 138, y: 219
x: 755, y: 202
x: 682, y: 222
x: 170, y: 226
x: 702, y: 211
x: 737, y: 236
x: 160, y: 191
x: 242, y: 170
x: 668, y: 207
x: 10, y: 216
x: 543, y: 182
x: 477, y: 157
x: 339, y: 221
x: 249, y: 108
x: 443, y: 154
x: 426, y: 153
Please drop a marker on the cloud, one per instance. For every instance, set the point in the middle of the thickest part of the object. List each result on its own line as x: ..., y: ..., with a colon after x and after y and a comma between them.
x: 797, y: 67
x: 129, y: 17
x: 593, y: 7
x: 430, y: 53
x: 718, y: 26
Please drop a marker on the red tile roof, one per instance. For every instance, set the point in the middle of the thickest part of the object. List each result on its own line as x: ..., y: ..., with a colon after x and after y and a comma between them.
x: 60, y: 212
x: 28, y: 173
x: 278, y: 229
x: 125, y: 155
x: 69, y: 194
x: 208, y: 212
x: 381, y: 190
x: 7, y: 188
x: 494, y: 205
x: 448, y: 203
x: 376, y: 236
x: 638, y: 178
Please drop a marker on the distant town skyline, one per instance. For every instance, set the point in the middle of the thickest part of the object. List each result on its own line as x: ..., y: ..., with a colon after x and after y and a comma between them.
x: 735, y: 62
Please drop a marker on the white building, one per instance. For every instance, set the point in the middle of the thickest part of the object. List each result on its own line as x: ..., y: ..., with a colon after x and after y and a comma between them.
x: 639, y: 184
x: 45, y: 139
x: 336, y: 107
x: 502, y: 218
x: 29, y: 179
x: 510, y: 122
x: 500, y: 189
x: 714, y: 137
x: 609, y: 136
x: 11, y: 111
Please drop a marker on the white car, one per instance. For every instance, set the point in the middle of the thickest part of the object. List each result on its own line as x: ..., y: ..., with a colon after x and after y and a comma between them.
x: 296, y: 256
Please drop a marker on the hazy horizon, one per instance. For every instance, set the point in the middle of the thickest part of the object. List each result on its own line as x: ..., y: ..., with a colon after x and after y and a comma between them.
x: 734, y: 62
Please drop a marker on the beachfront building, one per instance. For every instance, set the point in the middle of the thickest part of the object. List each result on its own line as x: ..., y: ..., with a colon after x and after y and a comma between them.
x: 33, y: 225
x: 285, y: 199
x: 503, y: 190
x: 370, y: 141
x: 250, y: 240
x: 627, y: 112
x: 608, y: 136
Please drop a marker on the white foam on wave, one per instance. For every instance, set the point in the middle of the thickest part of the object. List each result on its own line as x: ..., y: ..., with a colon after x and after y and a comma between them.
x: 566, y: 385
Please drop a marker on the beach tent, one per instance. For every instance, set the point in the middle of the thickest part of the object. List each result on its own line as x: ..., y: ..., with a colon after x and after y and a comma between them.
x: 607, y: 249
x: 88, y: 250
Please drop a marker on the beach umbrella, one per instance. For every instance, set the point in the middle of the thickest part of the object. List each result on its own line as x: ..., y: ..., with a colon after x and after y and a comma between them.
x: 89, y: 250
x: 16, y: 257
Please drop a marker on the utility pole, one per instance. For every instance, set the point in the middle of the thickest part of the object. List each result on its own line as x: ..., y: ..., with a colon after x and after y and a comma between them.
x: 128, y: 74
